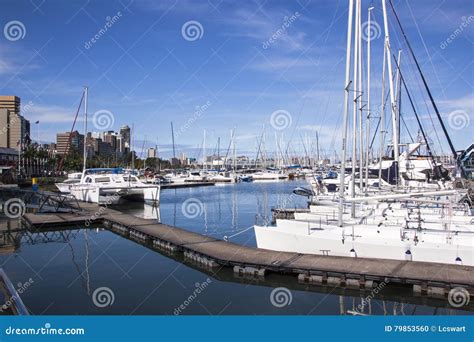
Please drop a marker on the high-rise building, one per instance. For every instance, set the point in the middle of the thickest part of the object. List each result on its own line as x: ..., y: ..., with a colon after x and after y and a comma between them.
x: 151, y: 152
x: 62, y: 141
x: 12, y: 103
x: 125, y: 132
x: 110, y: 137
x: 15, y: 129
x: 4, y: 142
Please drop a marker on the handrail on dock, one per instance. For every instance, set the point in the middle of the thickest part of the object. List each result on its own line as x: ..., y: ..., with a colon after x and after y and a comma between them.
x: 42, y: 199
x: 17, y: 304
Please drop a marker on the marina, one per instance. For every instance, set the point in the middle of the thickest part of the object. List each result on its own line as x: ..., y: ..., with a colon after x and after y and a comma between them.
x: 429, y: 278
x: 260, y: 158
x: 235, y: 261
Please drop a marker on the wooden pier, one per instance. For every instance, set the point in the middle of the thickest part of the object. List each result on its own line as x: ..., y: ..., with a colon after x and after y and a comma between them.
x: 431, y: 279
x: 185, y: 185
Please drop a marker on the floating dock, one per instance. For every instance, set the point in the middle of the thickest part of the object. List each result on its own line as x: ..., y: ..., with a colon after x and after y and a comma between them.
x: 431, y: 279
x: 185, y: 185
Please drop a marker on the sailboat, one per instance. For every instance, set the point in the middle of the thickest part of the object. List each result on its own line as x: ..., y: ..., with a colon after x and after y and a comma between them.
x: 392, y: 222
x: 108, y: 185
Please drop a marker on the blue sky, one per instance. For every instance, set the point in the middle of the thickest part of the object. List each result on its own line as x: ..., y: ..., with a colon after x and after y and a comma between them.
x: 145, y: 72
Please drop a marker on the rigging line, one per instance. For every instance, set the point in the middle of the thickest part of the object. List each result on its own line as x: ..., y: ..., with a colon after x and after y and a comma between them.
x: 420, y: 90
x: 375, y: 132
x: 408, y: 131
x: 453, y: 150
x: 415, y: 112
x: 430, y: 117
x: 426, y: 49
x: 60, y: 166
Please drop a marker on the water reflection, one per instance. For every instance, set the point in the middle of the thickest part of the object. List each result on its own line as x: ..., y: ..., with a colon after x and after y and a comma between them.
x: 69, y: 264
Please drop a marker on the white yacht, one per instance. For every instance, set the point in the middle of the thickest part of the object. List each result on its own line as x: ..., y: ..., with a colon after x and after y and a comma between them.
x: 268, y: 175
x: 111, y: 186
x: 72, y: 178
x: 428, y: 222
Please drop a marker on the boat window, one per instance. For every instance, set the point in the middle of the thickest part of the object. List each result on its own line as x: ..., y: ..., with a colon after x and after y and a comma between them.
x: 102, y: 179
x: 88, y: 180
x: 130, y: 179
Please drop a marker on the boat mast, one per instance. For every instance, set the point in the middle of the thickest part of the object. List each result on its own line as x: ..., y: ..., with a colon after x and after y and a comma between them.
x: 397, y: 99
x: 204, y: 161
x: 382, y: 115
x: 233, y: 152
x: 172, y: 140
x: 393, y: 103
x: 367, y: 132
x: 131, y: 149
x: 317, y: 149
x: 347, y: 84
x: 354, y: 113
x: 361, y: 105
x: 86, y: 94
x: 218, y: 153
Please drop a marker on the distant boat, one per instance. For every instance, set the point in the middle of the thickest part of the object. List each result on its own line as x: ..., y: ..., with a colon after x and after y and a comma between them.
x: 111, y: 186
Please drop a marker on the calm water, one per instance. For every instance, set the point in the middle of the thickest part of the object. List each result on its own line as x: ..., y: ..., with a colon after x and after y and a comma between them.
x: 66, y: 267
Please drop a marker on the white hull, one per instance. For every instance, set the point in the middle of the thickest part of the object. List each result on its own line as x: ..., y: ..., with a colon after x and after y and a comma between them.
x: 365, y: 246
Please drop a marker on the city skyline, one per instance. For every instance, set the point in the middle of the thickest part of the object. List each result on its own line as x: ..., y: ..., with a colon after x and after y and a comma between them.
x: 148, y: 64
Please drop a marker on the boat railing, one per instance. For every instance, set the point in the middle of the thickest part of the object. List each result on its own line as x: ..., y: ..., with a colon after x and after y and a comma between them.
x: 13, y: 298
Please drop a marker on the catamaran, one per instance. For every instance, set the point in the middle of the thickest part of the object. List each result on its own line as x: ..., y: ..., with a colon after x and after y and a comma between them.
x: 107, y: 185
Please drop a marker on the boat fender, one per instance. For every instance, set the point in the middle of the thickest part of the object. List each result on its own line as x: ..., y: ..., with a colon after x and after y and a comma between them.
x: 408, y: 255
x: 458, y: 261
x: 353, y: 253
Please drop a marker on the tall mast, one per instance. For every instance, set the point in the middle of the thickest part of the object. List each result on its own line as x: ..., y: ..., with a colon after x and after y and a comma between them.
x: 393, y: 104
x: 367, y: 130
x: 346, y: 110
x: 382, y: 115
x: 218, y: 153
x: 451, y: 146
x: 233, y: 152
x: 204, y: 161
x: 354, y: 113
x: 86, y: 94
x: 172, y: 139
x: 131, y: 149
x: 317, y: 149
x: 397, y: 96
x: 361, y: 105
